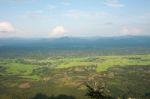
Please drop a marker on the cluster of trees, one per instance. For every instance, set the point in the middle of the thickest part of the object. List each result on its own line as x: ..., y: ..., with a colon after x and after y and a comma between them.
x: 97, y: 91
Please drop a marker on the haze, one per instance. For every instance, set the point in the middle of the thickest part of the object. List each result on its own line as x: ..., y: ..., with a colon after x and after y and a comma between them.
x: 75, y: 18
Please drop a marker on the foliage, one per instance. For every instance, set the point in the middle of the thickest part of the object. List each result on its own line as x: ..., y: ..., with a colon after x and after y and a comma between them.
x: 98, y: 91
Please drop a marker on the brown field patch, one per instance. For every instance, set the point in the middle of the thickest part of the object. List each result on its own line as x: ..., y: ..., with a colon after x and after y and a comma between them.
x: 25, y: 85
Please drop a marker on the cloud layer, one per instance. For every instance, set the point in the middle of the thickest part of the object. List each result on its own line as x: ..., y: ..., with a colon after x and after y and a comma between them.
x: 6, y: 27
x: 58, y: 31
x: 130, y: 31
x: 53, y: 18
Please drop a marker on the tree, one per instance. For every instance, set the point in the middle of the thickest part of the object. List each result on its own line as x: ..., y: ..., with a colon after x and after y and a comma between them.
x: 97, y: 91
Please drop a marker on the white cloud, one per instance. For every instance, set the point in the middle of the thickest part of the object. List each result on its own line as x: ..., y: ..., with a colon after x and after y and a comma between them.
x: 7, y: 30
x: 114, y: 3
x: 6, y: 27
x: 131, y: 31
x: 58, y: 31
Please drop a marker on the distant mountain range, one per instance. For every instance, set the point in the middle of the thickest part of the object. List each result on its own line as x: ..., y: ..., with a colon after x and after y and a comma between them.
x: 72, y: 42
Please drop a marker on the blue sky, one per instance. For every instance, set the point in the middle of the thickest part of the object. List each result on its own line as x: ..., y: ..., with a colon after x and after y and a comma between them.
x: 78, y: 18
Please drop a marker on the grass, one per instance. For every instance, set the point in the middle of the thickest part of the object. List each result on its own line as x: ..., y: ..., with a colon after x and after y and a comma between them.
x: 130, y: 60
x: 105, y: 62
x: 19, y: 68
x: 102, y: 63
x: 75, y: 64
x: 33, y: 77
x: 131, y: 71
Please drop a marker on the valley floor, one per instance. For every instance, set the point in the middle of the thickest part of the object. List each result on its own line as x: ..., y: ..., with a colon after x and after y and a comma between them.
x: 63, y: 77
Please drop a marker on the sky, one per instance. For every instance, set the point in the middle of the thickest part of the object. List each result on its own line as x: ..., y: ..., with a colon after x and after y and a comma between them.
x: 75, y: 18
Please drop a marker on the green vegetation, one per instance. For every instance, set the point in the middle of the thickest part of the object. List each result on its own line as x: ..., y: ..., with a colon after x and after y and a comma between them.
x: 124, y: 76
